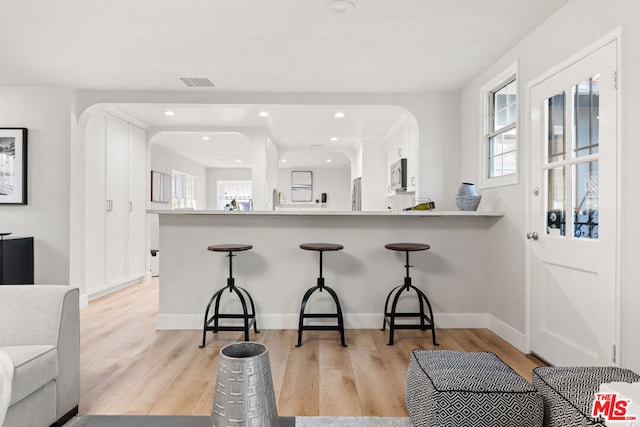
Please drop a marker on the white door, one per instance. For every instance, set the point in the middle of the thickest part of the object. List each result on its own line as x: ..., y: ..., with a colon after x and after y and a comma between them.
x: 573, y: 227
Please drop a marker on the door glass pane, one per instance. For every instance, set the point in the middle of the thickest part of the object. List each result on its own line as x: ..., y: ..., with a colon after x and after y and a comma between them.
x: 555, y: 131
x: 556, y: 203
x: 586, y: 200
x: 586, y: 97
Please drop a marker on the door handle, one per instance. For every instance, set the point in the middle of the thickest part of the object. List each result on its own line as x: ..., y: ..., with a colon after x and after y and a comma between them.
x: 532, y: 236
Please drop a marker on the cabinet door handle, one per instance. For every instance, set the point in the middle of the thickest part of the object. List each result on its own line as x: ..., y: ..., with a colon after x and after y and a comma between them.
x: 130, y: 206
x: 109, y: 205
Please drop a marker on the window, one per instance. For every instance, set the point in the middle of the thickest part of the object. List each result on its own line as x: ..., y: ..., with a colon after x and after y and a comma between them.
x: 240, y: 191
x: 500, y: 137
x: 183, y: 191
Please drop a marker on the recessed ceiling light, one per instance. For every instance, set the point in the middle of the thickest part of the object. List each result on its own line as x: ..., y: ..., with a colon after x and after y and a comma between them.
x: 263, y: 114
x: 340, y: 6
x: 169, y: 113
x: 206, y: 138
x: 329, y: 160
x: 338, y: 115
x: 333, y: 139
x: 284, y: 160
x: 238, y: 161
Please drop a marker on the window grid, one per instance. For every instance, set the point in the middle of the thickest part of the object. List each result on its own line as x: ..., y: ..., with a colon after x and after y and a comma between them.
x: 501, y: 137
x: 183, y: 191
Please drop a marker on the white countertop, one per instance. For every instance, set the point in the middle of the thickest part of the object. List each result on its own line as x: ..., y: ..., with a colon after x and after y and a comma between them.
x: 288, y: 212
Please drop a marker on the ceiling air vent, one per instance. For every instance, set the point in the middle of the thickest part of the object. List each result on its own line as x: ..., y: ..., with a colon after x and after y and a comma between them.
x: 197, y: 81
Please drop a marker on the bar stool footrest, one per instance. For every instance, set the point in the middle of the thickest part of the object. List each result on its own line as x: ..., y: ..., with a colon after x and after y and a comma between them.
x: 239, y: 328
x: 321, y: 328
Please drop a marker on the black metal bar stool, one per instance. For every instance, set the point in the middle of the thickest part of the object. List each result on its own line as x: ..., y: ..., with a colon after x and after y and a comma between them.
x: 249, y: 317
x: 426, y: 321
x: 320, y: 247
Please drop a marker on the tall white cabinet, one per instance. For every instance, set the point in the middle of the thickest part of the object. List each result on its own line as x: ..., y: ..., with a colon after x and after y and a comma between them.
x: 115, y: 212
x: 403, y: 143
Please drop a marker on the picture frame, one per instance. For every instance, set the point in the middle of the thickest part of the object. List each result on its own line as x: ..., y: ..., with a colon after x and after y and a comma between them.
x: 13, y: 166
x: 160, y: 187
x: 301, y: 186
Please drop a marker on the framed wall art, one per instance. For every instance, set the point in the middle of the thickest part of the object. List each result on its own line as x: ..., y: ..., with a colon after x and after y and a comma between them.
x: 160, y: 187
x: 301, y: 186
x: 13, y: 166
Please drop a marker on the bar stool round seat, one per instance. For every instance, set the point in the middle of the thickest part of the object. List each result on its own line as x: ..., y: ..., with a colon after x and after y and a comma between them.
x: 248, y: 316
x: 425, y: 320
x: 321, y: 247
x: 320, y: 286
x: 229, y: 247
x: 411, y: 247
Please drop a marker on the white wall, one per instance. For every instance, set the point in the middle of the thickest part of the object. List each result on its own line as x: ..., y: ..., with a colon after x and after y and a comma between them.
x: 272, y: 171
x: 438, y: 117
x: 164, y: 160
x: 46, y: 113
x: 223, y: 174
x: 277, y: 273
x: 336, y: 182
x: 375, y: 174
x: 575, y: 26
x: 436, y: 114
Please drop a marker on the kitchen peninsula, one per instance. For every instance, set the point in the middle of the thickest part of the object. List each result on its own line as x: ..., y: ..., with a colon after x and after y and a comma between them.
x: 277, y: 272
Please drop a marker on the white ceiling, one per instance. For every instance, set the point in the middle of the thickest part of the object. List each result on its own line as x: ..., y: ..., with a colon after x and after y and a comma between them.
x: 303, y: 133
x: 285, y: 46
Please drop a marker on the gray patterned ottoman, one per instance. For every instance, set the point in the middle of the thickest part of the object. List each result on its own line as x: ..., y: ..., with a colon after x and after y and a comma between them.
x: 568, y: 392
x: 457, y: 389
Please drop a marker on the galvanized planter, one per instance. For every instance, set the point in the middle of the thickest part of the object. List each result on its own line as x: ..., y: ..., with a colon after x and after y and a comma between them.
x: 244, y: 395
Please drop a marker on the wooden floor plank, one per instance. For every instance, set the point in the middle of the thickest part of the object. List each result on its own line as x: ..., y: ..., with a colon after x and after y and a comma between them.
x: 376, y: 394
x: 338, y: 395
x: 301, y: 395
x: 127, y: 367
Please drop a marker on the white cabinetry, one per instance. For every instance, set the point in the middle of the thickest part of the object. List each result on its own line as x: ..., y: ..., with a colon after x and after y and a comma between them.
x: 116, y: 186
x: 115, y: 215
x: 136, y: 225
x: 412, y: 157
x: 403, y: 143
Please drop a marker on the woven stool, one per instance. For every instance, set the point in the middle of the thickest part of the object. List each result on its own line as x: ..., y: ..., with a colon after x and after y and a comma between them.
x: 448, y: 388
x: 568, y: 392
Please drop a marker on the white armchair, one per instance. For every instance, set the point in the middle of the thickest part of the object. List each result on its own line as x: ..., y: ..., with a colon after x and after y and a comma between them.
x: 40, y: 335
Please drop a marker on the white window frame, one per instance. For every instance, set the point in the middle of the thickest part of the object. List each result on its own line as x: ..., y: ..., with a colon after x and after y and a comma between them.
x: 486, y: 111
x: 184, y: 202
x: 222, y: 201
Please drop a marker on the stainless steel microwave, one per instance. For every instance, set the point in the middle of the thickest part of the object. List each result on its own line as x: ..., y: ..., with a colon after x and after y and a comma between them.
x: 398, y: 176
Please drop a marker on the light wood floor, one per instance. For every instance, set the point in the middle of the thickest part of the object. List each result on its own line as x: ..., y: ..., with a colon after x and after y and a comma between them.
x: 127, y: 367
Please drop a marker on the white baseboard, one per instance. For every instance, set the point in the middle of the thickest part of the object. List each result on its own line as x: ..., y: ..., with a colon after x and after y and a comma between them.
x: 101, y: 291
x: 507, y: 333
x: 84, y: 300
